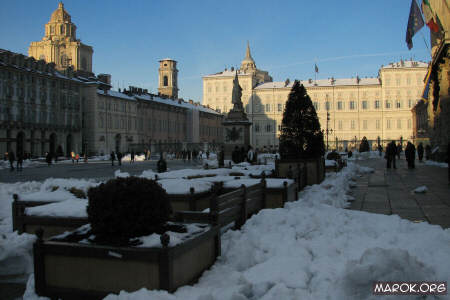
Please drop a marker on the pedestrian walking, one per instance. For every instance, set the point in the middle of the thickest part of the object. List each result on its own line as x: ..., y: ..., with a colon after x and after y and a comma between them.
x: 410, y: 155
x: 380, y: 150
x: 19, y: 165
x: 11, y: 158
x: 399, y: 150
x: 72, y: 155
x: 119, y: 158
x: 113, y: 158
x: 132, y: 157
x: 427, y: 152
x: 48, y: 158
x: 85, y: 158
x: 420, y: 151
x: 391, y: 152
x: 250, y: 154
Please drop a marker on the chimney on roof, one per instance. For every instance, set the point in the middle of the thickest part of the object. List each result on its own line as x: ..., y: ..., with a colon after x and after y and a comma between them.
x: 105, y: 78
x: 286, y: 82
x: 332, y: 80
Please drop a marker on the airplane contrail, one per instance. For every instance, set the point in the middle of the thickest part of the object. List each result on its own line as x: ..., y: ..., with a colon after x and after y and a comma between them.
x: 341, y: 57
x: 323, y: 60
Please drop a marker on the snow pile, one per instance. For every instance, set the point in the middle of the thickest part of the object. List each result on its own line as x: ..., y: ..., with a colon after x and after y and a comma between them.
x: 264, y: 158
x: 100, y: 158
x: 183, y: 186
x: 316, y: 252
x: 330, y: 163
x: 127, y: 158
x: 435, y: 163
x: 118, y: 174
x: 75, y: 208
x: 16, y: 256
x: 4, y: 164
x: 420, y: 189
x: 365, y: 155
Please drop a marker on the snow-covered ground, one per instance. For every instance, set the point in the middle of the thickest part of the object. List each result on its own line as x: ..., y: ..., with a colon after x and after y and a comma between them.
x: 436, y: 163
x: 27, y: 163
x: 310, y: 249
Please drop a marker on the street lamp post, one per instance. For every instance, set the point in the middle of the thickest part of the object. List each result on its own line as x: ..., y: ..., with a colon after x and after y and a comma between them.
x: 328, y: 131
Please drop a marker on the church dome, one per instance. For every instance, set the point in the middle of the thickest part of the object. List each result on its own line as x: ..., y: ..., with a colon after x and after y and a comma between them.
x: 60, y: 15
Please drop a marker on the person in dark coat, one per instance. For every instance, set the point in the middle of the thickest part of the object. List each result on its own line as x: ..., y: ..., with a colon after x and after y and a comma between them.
x: 11, y: 158
x: 236, y: 155
x: 19, y: 165
x: 112, y: 157
x: 221, y: 158
x: 119, y: 158
x: 399, y: 150
x: 132, y: 157
x: 427, y: 152
x: 48, y: 158
x: 410, y: 154
x: 420, y: 151
x: 391, y: 152
x: 380, y: 149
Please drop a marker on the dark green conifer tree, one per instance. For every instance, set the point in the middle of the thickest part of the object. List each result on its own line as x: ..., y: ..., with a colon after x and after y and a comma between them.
x: 301, y: 137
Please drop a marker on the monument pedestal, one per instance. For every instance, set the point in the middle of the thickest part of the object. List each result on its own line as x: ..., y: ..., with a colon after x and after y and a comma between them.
x: 236, y: 132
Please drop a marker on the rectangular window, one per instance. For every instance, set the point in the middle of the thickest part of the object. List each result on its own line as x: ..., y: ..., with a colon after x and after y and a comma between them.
x: 388, y: 104
x: 327, y: 105
x: 377, y: 104
x: 388, y: 124
x: 352, y: 105
x: 409, y: 123
x: 280, y: 127
x: 256, y: 127
x: 268, y: 128
x: 267, y: 107
x: 410, y: 103
x: 398, y: 104
x: 316, y: 105
x: 352, y: 124
x: 377, y: 124
x: 364, y: 124
x: 280, y: 107
x: 340, y: 106
x: 399, y: 124
x: 340, y: 124
x: 364, y: 104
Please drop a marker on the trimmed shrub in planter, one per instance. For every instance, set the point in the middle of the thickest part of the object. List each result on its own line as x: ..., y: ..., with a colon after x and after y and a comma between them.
x: 301, y: 140
x: 125, y: 208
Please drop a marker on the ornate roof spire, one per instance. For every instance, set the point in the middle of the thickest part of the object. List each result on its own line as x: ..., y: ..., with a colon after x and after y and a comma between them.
x: 248, y: 55
x: 248, y: 62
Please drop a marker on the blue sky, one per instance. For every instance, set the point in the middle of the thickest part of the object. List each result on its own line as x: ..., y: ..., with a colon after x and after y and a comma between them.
x: 345, y: 38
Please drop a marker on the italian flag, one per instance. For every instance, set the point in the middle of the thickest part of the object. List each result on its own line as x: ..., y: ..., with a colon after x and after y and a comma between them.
x: 429, y: 16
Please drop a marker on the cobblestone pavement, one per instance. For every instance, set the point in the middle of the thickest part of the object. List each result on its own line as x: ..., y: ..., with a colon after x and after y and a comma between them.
x: 93, y: 169
x: 390, y: 191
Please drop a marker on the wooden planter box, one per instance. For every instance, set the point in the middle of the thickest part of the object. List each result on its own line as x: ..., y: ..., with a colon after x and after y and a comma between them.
x: 303, y: 171
x: 277, y: 197
x: 191, y: 201
x: 18, y: 211
x: 51, y: 225
x: 84, y: 271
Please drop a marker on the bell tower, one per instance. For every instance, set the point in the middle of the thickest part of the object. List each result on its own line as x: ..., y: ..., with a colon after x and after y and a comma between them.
x: 168, y: 78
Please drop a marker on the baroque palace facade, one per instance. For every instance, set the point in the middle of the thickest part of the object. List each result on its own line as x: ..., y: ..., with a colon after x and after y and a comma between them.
x: 52, y: 102
x: 377, y: 108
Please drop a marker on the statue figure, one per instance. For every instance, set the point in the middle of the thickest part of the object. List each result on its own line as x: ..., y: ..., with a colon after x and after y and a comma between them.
x: 236, y: 95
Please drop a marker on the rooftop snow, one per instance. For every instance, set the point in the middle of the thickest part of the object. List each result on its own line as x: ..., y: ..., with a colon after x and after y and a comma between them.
x: 320, y: 82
